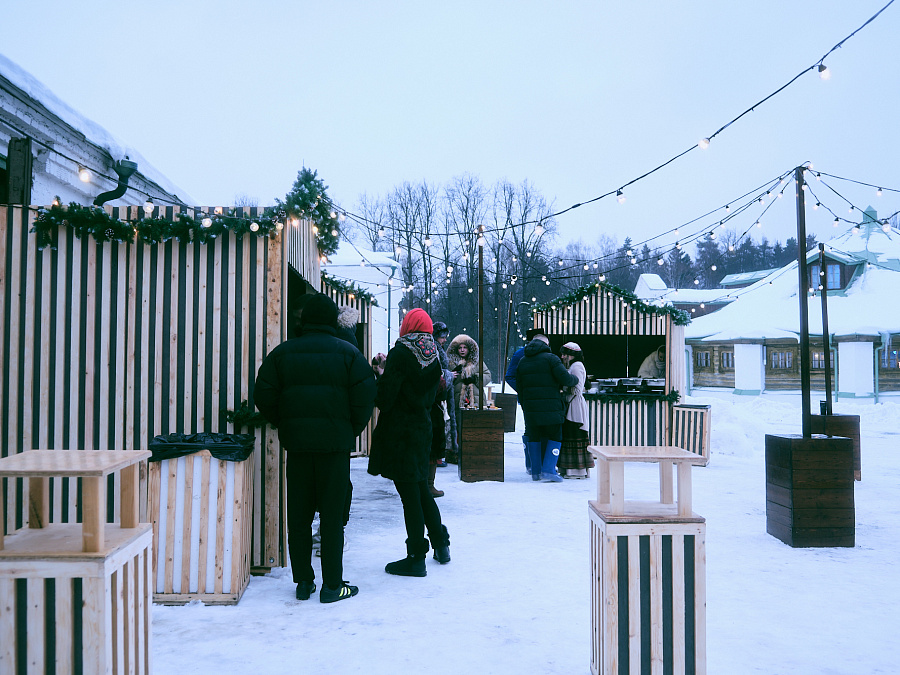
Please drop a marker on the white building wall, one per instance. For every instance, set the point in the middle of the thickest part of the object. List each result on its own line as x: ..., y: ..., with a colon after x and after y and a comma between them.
x: 749, y: 369
x: 856, y: 370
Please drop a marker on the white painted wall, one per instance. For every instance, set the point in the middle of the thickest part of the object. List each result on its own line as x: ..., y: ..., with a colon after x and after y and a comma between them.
x: 749, y: 367
x: 856, y: 369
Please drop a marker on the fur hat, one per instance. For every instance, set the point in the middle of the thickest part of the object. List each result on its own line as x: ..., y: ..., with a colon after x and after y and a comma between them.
x: 348, y: 317
x: 440, y: 329
x: 321, y: 310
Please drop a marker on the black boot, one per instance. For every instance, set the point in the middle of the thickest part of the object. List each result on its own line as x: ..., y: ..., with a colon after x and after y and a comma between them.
x: 410, y: 566
x: 441, y: 546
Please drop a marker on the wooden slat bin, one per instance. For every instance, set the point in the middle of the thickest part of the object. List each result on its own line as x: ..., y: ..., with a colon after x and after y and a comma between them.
x: 840, y: 425
x: 809, y: 490
x: 201, y: 510
x: 480, y: 444
x: 508, y: 403
x: 691, y: 428
x: 648, y: 594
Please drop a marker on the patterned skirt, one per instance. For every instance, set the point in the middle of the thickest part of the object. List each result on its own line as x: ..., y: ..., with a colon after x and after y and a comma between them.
x: 574, y: 453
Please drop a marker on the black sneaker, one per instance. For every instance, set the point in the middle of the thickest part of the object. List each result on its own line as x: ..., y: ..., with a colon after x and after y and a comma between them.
x: 304, y: 589
x: 344, y: 592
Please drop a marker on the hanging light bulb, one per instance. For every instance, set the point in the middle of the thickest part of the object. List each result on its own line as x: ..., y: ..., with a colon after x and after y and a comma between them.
x: 334, y: 233
x: 206, y: 222
x: 713, y: 268
x: 428, y: 240
x: 878, y: 192
x: 676, y: 232
x: 560, y: 262
x: 56, y: 201
x: 824, y: 73
x: 659, y: 261
x: 730, y: 247
x: 480, y: 240
x: 84, y: 174
x: 758, y: 223
x: 538, y: 230
x: 885, y: 228
x: 728, y: 208
x: 254, y: 227
x: 629, y: 252
x: 380, y: 232
x: 533, y: 299
x: 696, y: 282
x: 398, y: 250
x: 816, y: 206
x: 449, y: 269
x: 634, y: 261
x: 544, y: 278
x: 315, y: 230
x: 677, y: 246
x: 703, y: 144
x: 586, y: 266
x: 278, y: 226
x: 470, y: 290
x: 148, y: 206
x: 620, y: 196
x: 548, y: 283
x: 602, y: 277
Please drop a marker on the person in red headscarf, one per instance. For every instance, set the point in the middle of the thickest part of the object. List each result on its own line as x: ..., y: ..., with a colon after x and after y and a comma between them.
x: 402, y: 440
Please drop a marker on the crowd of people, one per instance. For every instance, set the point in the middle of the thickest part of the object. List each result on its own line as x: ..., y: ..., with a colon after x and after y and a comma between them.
x: 319, y: 392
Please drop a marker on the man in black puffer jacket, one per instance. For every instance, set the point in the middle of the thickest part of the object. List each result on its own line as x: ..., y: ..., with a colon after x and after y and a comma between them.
x: 319, y: 392
x: 539, y: 376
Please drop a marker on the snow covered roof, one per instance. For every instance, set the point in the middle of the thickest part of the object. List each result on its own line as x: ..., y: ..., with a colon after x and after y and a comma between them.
x: 770, y: 308
x: 92, y: 131
x: 650, y: 287
x: 741, y: 278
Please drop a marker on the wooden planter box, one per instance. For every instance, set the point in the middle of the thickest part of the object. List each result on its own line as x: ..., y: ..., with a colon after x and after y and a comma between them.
x: 648, y: 594
x: 480, y: 444
x: 508, y: 403
x: 809, y: 490
x: 840, y: 425
x: 201, y: 510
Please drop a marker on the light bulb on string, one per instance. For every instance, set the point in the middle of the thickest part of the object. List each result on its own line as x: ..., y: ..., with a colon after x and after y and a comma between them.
x: 254, y: 227
x: 728, y: 208
x: 380, y: 232
x: 538, y: 230
x: 703, y: 144
x: 824, y: 73
x: 480, y: 240
x: 634, y: 261
x: 878, y: 192
x: 560, y: 262
x: 696, y: 282
x: 206, y: 222
x: 758, y: 223
x: 837, y: 221
x: 660, y: 261
x: 84, y: 174
x: 428, y: 240
x: 148, y: 206
x: 620, y: 196
x: 713, y: 268
x: 816, y: 206
x: 629, y: 252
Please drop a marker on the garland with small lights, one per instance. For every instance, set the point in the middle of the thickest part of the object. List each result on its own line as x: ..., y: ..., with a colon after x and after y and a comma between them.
x: 672, y: 397
x: 349, y: 289
x: 679, y: 316
x: 307, y: 199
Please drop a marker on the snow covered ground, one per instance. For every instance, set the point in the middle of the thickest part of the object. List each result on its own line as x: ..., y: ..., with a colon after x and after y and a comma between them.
x: 515, y: 597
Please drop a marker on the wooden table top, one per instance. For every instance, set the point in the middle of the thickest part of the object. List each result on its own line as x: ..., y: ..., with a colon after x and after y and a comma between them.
x: 49, y: 463
x: 645, y: 453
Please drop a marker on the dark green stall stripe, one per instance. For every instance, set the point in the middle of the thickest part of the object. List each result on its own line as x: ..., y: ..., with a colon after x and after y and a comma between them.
x: 646, y: 629
x: 50, y: 625
x: 690, y: 665
x: 667, y: 606
x: 622, y: 581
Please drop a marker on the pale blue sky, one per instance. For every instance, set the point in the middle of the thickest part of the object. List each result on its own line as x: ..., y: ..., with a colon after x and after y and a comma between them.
x: 232, y: 98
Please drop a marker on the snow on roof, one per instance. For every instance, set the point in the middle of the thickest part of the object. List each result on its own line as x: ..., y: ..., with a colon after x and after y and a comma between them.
x: 346, y: 264
x: 744, y: 277
x: 92, y: 131
x: 649, y: 282
x: 770, y: 308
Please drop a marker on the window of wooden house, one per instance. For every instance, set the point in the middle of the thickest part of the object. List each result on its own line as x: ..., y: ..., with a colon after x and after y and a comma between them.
x: 701, y: 359
x: 728, y: 360
x: 782, y: 360
x: 889, y: 357
x: 818, y: 360
x: 831, y: 280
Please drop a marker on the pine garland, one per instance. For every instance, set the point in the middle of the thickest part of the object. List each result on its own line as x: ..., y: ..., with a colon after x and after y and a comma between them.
x: 679, y: 316
x: 307, y: 200
x: 349, y: 289
x: 244, y: 417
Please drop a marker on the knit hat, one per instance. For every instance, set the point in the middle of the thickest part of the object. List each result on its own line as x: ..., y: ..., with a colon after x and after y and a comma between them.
x: 572, y: 347
x: 321, y: 310
x: 440, y: 329
x: 415, y: 321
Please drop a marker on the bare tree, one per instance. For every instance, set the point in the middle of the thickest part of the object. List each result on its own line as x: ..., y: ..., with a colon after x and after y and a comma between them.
x: 371, y: 225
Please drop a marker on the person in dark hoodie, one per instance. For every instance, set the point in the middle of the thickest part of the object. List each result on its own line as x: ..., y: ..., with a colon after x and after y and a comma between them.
x: 510, y: 378
x: 401, y: 442
x: 319, y: 392
x: 539, y: 377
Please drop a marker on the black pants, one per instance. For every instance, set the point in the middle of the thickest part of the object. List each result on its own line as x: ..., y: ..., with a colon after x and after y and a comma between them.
x: 541, y: 433
x: 317, y: 481
x: 420, y: 512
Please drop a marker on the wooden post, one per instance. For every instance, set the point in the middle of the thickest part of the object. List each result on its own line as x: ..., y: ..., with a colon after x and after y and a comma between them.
x: 481, y: 322
x: 803, y: 295
x: 825, y: 338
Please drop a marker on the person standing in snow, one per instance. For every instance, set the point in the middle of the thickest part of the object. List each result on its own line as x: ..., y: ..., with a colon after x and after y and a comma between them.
x: 441, y: 333
x: 540, y: 375
x: 574, y: 458
x: 319, y: 392
x: 510, y: 378
x: 401, y: 443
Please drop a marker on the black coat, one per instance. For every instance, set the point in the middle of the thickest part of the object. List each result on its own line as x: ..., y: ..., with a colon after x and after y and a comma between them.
x: 317, y: 390
x: 539, y: 376
x: 401, y: 442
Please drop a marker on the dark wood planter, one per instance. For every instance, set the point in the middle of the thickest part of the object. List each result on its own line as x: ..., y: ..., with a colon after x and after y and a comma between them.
x: 840, y: 425
x: 480, y: 444
x: 508, y: 403
x: 809, y: 490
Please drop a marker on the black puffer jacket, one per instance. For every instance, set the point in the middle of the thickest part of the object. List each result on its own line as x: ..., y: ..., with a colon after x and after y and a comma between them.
x: 539, y: 376
x: 401, y: 442
x: 317, y: 390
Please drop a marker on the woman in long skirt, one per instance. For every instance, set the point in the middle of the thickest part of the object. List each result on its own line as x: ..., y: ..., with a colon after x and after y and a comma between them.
x: 574, y: 458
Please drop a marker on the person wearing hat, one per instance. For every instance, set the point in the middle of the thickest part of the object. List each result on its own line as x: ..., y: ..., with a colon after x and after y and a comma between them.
x: 510, y: 378
x: 319, y: 392
x: 451, y: 448
x: 574, y: 458
x: 402, y: 440
x: 539, y: 376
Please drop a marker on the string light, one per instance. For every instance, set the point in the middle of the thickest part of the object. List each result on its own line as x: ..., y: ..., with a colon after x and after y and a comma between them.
x: 148, y: 206
x: 428, y: 240
x: 816, y: 206
x: 837, y: 221
x: 703, y: 144
x: 84, y: 174
x: 254, y: 227
x: 878, y: 192
x: 620, y: 196
x: 207, y: 222
x: 660, y: 261
x: 824, y: 73
x: 538, y: 230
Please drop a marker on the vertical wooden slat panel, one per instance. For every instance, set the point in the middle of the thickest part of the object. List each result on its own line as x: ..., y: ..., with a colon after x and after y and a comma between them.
x: 700, y: 602
x: 27, y: 431
x: 213, y: 422
x: 7, y: 625
x: 222, y: 472
x: 103, y: 350
x: 34, y: 626
x: 89, y: 367
x: 202, y: 550
x: 44, y: 335
x: 678, y: 602
x: 634, y: 604
x: 64, y: 625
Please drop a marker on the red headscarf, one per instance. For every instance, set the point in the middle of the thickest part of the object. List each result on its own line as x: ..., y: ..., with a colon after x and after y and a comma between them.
x: 416, y: 321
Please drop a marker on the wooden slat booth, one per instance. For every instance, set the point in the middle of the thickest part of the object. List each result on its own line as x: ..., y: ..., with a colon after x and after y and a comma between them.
x: 615, y: 336
x: 364, y: 339
x: 105, y: 345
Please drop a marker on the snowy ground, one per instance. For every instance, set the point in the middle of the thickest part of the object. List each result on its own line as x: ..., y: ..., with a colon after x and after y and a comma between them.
x: 515, y: 597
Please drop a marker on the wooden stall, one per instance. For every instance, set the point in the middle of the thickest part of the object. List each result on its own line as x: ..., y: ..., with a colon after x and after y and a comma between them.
x: 76, y: 597
x: 107, y: 344
x: 648, y: 568
x: 617, y: 333
x: 481, y: 434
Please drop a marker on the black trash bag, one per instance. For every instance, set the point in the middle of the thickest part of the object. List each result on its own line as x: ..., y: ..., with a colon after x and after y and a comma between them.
x: 228, y: 447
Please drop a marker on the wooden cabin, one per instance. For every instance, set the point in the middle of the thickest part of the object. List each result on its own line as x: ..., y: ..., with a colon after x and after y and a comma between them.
x: 616, y: 332
x: 105, y: 344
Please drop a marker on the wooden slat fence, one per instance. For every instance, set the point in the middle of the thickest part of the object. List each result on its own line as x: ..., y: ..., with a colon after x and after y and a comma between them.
x: 105, y: 345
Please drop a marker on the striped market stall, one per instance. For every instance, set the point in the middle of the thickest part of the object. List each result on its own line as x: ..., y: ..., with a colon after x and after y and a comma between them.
x: 618, y: 333
x: 105, y: 344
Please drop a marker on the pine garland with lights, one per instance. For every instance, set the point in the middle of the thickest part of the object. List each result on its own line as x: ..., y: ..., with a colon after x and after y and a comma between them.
x: 679, y: 316
x: 308, y: 199
x: 349, y: 289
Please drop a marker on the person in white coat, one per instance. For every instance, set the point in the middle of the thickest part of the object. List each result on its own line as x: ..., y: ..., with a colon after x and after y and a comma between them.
x: 574, y: 458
